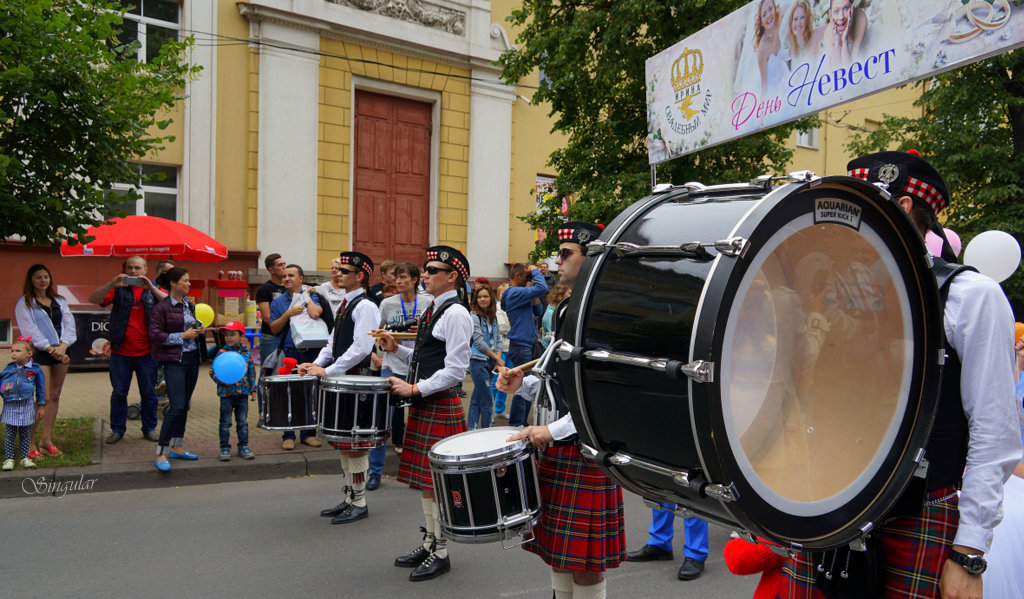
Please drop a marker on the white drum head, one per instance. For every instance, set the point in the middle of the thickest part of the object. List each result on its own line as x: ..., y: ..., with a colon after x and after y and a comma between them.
x: 478, y: 443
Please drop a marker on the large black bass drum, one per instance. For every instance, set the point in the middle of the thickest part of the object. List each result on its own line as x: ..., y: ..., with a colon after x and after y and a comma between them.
x: 768, y: 358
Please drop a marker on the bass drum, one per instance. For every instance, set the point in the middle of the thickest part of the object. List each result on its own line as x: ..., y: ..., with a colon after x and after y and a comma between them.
x: 778, y: 375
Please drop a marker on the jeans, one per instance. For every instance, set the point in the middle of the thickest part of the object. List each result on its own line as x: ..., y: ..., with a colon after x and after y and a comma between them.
x: 268, y: 345
x: 121, y: 369
x: 695, y: 545
x: 517, y: 355
x: 303, y: 356
x: 499, y: 396
x: 239, y: 404
x: 378, y: 454
x: 481, y: 401
x: 181, y: 382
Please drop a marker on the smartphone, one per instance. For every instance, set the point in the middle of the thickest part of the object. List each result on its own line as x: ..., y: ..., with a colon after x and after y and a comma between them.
x: 133, y: 281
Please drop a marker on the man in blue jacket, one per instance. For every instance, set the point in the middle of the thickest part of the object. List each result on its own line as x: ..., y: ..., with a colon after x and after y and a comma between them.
x: 522, y: 303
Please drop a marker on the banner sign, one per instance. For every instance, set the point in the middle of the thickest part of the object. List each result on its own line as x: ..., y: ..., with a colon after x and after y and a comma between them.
x: 774, y: 61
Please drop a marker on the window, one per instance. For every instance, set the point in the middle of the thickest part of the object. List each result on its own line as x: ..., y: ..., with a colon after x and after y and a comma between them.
x: 807, y: 139
x: 159, y: 198
x: 152, y: 22
x: 5, y: 331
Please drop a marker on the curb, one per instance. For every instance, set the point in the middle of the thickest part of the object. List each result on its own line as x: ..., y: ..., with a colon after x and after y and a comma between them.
x: 97, y: 441
x: 57, y: 482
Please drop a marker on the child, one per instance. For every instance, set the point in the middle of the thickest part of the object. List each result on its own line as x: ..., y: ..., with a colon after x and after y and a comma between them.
x: 19, y: 382
x: 232, y: 397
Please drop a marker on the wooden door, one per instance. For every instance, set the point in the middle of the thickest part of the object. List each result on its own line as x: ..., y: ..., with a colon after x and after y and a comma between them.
x: 392, y: 178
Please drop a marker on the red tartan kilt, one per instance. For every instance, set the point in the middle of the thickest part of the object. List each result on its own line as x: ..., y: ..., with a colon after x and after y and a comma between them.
x: 581, y: 519
x: 440, y: 417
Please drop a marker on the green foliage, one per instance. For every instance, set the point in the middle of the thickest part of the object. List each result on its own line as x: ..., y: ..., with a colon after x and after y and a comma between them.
x: 592, y: 54
x: 73, y: 114
x: 972, y: 131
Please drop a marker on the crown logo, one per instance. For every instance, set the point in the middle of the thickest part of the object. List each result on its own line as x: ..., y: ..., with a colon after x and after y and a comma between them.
x: 686, y: 73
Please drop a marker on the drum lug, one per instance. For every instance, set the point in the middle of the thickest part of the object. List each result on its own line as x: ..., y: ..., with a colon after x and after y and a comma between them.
x: 802, y: 176
x: 700, y: 371
x: 725, y: 493
x: 732, y: 247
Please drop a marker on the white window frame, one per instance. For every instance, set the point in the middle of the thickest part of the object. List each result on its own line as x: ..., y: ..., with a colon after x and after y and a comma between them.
x: 141, y: 24
x: 807, y: 138
x: 142, y: 187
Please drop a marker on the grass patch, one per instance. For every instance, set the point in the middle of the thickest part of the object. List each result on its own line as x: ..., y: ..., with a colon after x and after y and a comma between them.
x: 74, y: 437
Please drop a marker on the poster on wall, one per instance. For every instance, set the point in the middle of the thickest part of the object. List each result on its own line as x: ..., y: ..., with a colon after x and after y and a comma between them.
x: 774, y: 61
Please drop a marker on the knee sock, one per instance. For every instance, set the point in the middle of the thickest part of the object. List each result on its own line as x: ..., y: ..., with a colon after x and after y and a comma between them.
x: 428, y: 516
x: 346, y: 478
x: 441, y: 547
x: 561, y: 584
x: 591, y: 591
x: 359, y: 467
x: 25, y: 438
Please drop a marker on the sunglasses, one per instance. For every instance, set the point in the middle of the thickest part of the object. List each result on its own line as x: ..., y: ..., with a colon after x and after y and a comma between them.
x: 347, y: 271
x: 564, y: 253
x: 433, y: 270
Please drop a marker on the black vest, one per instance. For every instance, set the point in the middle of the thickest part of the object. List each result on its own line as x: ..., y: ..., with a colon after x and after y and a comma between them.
x: 344, y: 331
x: 121, y: 311
x: 946, y: 449
x: 428, y: 357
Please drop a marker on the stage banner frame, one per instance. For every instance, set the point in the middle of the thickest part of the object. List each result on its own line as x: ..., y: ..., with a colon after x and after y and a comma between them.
x: 757, y: 67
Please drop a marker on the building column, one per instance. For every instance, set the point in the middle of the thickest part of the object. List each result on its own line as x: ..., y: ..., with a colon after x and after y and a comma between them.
x: 199, y: 174
x: 490, y: 178
x: 287, y: 182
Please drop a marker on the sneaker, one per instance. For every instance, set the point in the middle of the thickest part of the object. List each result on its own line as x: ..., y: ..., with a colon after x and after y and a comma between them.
x: 8, y: 465
x: 114, y: 438
x: 27, y: 463
x: 225, y: 455
x: 246, y: 453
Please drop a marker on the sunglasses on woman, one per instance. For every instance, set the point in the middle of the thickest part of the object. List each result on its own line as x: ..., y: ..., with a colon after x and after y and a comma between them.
x: 433, y: 270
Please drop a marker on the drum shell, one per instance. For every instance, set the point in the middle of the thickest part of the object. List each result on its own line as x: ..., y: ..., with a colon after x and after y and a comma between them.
x: 289, y: 402
x: 682, y: 421
x: 354, y: 411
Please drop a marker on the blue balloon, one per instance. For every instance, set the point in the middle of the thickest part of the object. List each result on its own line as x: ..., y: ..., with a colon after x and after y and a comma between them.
x: 229, y: 367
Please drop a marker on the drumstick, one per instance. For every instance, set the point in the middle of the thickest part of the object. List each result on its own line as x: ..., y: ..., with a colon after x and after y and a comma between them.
x: 398, y: 336
x: 524, y: 367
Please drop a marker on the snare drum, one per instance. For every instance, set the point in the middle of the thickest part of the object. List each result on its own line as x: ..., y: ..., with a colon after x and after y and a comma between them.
x: 354, y: 411
x: 486, y: 488
x: 767, y: 358
x: 289, y: 402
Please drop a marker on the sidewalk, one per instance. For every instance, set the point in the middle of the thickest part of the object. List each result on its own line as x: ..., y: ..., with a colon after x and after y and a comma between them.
x: 128, y: 464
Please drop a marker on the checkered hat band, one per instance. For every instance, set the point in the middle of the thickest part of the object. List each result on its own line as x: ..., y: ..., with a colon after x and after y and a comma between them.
x: 459, y: 266
x: 565, y: 234
x: 926, y: 192
x: 431, y: 255
x: 860, y: 173
x: 366, y: 267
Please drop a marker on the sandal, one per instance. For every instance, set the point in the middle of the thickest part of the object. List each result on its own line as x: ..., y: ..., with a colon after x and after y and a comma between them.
x: 34, y: 454
x: 53, y: 450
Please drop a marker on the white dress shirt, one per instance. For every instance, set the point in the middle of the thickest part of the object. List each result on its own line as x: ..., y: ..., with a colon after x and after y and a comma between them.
x: 455, y: 328
x: 979, y: 324
x: 366, y: 317
x: 559, y: 429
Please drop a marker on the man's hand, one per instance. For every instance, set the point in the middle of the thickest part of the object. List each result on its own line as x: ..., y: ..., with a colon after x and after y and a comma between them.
x: 400, y: 387
x: 294, y: 311
x: 312, y: 369
x: 957, y: 583
x: 509, y: 380
x: 386, y: 341
x: 538, y: 436
x: 118, y: 281
x: 530, y: 268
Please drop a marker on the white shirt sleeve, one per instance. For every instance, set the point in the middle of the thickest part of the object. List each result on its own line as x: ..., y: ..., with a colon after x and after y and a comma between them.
x: 27, y: 325
x: 68, y: 332
x: 528, y: 390
x: 562, y: 428
x: 404, y: 353
x: 366, y: 317
x: 455, y: 328
x: 979, y: 324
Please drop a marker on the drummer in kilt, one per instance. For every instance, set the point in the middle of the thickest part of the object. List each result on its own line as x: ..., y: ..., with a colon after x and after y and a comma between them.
x: 438, y: 364
x: 348, y: 352
x: 580, y: 530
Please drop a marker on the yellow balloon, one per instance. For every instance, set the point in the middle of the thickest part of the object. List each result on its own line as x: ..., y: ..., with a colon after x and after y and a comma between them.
x: 205, y: 314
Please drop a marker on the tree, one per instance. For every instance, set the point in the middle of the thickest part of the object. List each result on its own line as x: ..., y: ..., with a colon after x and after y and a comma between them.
x: 972, y: 130
x: 74, y: 113
x: 592, y: 54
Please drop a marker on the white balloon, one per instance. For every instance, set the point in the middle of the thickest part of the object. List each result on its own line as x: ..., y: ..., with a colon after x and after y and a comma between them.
x: 994, y: 253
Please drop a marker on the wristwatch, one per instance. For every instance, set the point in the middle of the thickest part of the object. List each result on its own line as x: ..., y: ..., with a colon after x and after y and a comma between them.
x: 974, y: 564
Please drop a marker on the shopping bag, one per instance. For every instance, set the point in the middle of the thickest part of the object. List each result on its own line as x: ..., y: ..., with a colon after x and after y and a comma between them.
x: 307, y: 332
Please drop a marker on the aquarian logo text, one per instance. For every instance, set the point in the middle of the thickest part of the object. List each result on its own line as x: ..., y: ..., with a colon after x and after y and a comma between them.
x: 686, y: 75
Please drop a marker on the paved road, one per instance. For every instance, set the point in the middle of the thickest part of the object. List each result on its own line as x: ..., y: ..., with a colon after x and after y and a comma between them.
x: 264, y: 539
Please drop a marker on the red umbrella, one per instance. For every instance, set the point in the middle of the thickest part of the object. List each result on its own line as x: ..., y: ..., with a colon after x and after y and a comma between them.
x: 148, y: 236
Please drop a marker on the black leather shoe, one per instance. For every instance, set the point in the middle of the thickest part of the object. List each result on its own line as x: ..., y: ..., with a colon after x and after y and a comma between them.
x: 374, y: 483
x: 334, y: 511
x: 413, y: 559
x: 432, y: 567
x: 691, y: 569
x: 648, y: 553
x: 351, y: 515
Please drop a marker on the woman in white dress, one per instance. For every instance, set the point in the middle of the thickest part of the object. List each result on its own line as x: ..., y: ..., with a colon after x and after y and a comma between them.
x: 804, y: 39
x: 770, y: 62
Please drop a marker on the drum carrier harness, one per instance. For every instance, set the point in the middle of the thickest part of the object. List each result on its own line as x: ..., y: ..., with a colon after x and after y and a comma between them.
x: 545, y: 371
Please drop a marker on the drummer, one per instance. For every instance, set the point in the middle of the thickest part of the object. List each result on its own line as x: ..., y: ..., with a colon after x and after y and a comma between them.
x: 438, y: 364
x: 348, y: 352
x: 580, y: 531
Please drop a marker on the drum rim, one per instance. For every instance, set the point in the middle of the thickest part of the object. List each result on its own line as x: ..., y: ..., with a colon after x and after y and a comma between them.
x: 355, y: 382
x: 287, y: 378
x: 878, y: 495
x: 512, y: 449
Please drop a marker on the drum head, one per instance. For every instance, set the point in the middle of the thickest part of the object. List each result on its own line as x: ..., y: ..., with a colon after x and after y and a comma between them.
x: 354, y: 382
x: 476, y: 445
x: 285, y: 378
x: 826, y: 335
